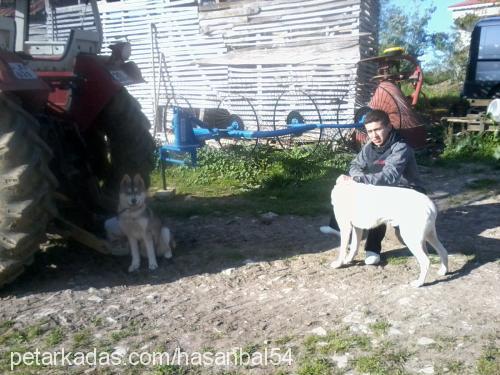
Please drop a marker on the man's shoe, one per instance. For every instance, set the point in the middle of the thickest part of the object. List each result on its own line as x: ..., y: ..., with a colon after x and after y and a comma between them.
x: 326, y: 229
x: 372, y: 258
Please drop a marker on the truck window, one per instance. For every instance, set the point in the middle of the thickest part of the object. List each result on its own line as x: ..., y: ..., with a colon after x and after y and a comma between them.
x: 489, y: 43
x: 488, y: 62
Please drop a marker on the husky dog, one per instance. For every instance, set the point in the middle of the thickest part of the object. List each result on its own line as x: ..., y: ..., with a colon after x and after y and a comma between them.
x: 138, y: 223
x: 359, y: 206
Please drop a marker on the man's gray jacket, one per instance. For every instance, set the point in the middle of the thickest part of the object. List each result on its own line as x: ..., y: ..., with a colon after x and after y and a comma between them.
x: 392, y: 164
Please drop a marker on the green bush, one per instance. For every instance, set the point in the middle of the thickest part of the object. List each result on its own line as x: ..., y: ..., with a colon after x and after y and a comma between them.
x: 473, y: 147
x: 243, y: 179
x: 248, y: 167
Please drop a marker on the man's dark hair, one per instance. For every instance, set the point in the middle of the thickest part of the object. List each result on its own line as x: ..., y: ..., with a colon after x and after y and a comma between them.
x: 377, y: 116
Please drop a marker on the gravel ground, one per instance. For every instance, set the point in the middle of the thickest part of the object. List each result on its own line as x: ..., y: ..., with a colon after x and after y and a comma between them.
x: 265, y: 286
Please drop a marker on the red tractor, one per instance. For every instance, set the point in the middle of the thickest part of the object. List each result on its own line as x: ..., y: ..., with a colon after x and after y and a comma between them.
x: 68, y: 127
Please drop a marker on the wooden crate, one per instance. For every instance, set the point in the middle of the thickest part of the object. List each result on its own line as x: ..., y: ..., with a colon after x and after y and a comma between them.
x: 469, y: 123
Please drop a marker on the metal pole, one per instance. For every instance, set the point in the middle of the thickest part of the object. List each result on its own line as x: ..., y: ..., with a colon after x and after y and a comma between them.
x: 155, y: 94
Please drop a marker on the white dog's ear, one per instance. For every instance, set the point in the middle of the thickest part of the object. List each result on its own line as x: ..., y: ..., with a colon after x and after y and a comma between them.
x: 125, y: 181
x: 139, y: 182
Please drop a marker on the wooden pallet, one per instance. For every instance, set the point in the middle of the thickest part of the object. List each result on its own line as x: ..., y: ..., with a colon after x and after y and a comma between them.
x: 469, y: 123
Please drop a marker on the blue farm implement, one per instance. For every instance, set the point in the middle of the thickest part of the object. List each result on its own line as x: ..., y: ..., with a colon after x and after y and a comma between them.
x: 190, y: 134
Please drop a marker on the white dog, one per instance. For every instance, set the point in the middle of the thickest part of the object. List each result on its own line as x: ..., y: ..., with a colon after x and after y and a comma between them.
x: 360, y: 206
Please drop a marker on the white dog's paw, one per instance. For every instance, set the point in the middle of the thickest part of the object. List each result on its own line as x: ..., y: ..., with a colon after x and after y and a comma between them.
x: 133, y: 267
x: 416, y: 283
x: 336, y: 264
x: 153, y: 266
x: 443, y: 270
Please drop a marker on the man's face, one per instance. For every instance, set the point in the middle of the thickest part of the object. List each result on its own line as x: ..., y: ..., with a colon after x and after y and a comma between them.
x: 377, y: 132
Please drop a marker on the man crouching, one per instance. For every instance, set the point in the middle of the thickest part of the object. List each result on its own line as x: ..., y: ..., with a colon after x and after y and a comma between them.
x: 386, y: 160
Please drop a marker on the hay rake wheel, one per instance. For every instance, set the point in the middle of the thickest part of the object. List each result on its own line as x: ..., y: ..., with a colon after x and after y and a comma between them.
x: 293, y: 107
x: 339, y: 138
x: 337, y: 109
x: 235, y: 103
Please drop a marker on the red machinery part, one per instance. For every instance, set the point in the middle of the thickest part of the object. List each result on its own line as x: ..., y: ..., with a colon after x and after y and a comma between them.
x: 389, y: 98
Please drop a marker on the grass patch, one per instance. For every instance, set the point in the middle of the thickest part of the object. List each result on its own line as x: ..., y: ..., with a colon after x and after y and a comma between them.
x: 97, y: 321
x: 34, y: 332
x: 435, y: 259
x: 370, y: 364
x: 441, y: 94
x: 444, y: 343
x: 5, y: 326
x: 131, y: 330
x: 336, y: 342
x: 380, y: 327
x: 283, y: 340
x: 17, y: 336
x: 452, y: 367
x: 208, y: 349
x: 489, y: 362
x: 117, y: 336
x: 82, y: 339
x: 13, y: 340
x: 398, y: 260
x: 385, y: 360
x: 316, y: 366
x: 243, y: 180
x: 472, y: 148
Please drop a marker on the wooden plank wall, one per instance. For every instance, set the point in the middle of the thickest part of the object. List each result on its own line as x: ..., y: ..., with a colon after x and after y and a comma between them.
x: 267, y: 52
x: 61, y: 20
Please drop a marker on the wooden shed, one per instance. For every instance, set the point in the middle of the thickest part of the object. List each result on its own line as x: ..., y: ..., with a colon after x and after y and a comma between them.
x: 258, y: 59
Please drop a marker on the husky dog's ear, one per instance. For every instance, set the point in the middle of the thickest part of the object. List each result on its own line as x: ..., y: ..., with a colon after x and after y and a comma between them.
x: 139, y: 182
x: 125, y: 181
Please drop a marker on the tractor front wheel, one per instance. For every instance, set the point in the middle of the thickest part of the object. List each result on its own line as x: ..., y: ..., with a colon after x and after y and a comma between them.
x: 26, y: 187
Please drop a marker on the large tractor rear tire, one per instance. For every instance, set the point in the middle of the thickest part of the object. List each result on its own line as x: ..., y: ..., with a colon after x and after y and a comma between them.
x: 26, y: 186
x: 131, y: 145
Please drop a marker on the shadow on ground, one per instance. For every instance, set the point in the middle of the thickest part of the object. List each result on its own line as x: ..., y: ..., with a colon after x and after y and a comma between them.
x: 209, y: 245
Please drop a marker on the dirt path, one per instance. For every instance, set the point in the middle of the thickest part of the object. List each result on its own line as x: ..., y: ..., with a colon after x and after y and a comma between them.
x: 237, y: 282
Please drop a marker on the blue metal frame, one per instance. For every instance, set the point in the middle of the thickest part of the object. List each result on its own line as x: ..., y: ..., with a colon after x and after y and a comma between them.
x: 190, y: 134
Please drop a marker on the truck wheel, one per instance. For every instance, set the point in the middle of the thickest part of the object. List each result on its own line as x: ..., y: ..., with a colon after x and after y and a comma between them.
x: 131, y: 145
x: 26, y: 186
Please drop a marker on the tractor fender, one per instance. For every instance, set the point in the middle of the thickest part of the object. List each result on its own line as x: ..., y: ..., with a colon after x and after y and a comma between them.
x: 100, y: 82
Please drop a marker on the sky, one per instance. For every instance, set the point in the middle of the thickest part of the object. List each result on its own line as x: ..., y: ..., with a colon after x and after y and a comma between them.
x: 441, y: 20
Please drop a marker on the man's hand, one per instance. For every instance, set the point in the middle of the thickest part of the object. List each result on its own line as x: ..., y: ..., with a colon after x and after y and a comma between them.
x: 344, y: 178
